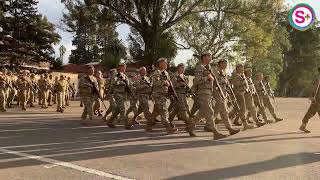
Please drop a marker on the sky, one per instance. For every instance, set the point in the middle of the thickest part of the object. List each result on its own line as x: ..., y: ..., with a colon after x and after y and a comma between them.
x: 53, y: 10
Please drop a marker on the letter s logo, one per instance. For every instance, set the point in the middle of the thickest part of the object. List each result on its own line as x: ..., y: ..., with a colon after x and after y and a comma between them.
x: 300, y: 18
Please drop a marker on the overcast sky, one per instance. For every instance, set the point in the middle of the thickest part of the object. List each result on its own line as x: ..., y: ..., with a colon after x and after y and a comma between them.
x: 53, y: 10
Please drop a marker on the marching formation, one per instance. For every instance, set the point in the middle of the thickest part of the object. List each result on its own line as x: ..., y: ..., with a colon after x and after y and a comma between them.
x: 28, y: 88
x: 240, y: 101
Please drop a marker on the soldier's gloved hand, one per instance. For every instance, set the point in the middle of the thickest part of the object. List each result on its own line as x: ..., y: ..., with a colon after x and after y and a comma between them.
x: 210, y: 77
x: 166, y: 83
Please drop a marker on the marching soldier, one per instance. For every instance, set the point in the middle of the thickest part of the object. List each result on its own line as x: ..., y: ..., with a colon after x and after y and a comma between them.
x: 101, y: 86
x: 67, y: 92
x: 241, y: 89
x: 315, y: 104
x: 204, y: 81
x: 262, y: 92
x: 3, y: 89
x: 44, y: 86
x: 13, y: 89
x: 60, y: 88
x: 221, y: 96
x: 269, y: 89
x: 54, y: 92
x: 88, y: 87
x: 24, y: 86
x: 133, y: 102
x: 120, y: 89
x: 50, y: 91
x: 143, y: 89
x: 109, y: 93
x: 161, y: 83
x: 34, y: 90
x: 180, y: 106
x: 257, y: 101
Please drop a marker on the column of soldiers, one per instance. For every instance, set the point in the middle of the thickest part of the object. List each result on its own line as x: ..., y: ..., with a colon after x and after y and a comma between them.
x: 25, y: 88
x: 239, y: 98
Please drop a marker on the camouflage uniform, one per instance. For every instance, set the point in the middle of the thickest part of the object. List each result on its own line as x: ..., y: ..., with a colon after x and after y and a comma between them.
x: 34, y: 90
x: 262, y: 92
x: 180, y: 106
x: 257, y: 101
x: 110, y: 98
x: 3, y: 90
x: 241, y: 92
x: 314, y: 107
x: 221, y: 100
x: 143, y: 89
x: 24, y: 85
x: 60, y: 88
x: 13, y: 90
x: 204, y: 95
x: 160, y: 95
x: 50, y: 91
x: 44, y: 86
x: 120, y: 93
x: 87, y: 87
x: 54, y: 92
x: 97, y: 103
x: 133, y: 102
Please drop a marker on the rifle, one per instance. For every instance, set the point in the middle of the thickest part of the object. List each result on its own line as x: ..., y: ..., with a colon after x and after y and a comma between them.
x: 171, y: 89
x: 233, y: 99
x: 258, y: 98
x: 271, y: 92
x: 127, y: 86
x: 96, y: 91
x: 222, y: 95
x: 187, y: 87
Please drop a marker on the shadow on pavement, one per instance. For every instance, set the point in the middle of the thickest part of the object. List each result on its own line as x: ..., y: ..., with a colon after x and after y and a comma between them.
x: 253, y: 168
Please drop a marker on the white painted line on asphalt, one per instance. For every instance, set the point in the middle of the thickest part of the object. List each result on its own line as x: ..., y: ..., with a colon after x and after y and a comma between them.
x: 317, y: 153
x: 66, y: 164
x: 49, y: 167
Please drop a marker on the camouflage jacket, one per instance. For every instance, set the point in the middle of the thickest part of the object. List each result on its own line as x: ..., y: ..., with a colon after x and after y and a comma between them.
x: 158, y: 79
x: 203, y: 85
x: 261, y: 89
x: 239, y: 83
x: 143, y: 85
x: 118, y: 84
x: 179, y: 83
x: 88, y: 85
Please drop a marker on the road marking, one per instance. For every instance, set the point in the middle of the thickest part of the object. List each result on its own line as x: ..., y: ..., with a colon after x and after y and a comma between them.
x: 49, y: 167
x: 317, y: 153
x: 66, y: 164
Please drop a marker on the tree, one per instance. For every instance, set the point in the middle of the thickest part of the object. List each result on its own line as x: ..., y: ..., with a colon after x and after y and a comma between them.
x: 27, y: 36
x: 153, y: 18
x: 96, y: 39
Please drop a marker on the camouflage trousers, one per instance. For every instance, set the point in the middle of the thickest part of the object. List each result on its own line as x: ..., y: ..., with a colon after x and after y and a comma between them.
x: 12, y: 94
x: 180, y: 108
x: 195, y: 106
x: 2, y: 99
x: 221, y: 109
x: 144, y: 108
x: 44, y: 97
x: 161, y: 106
x: 98, y: 103
x: 120, y: 99
x: 313, y: 109
x: 23, y: 98
x: 241, y: 113
x: 205, y: 110
x: 67, y: 98
x: 112, y: 105
x: 133, y: 106
x: 31, y: 98
x: 268, y: 104
x: 88, y: 106
x: 261, y: 109
x: 60, y: 99
x: 250, y: 106
x: 50, y: 97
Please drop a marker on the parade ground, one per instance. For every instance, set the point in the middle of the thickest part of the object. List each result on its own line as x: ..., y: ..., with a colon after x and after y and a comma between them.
x: 45, y: 145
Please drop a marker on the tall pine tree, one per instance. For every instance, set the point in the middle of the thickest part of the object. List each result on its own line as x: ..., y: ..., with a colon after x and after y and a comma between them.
x: 27, y: 37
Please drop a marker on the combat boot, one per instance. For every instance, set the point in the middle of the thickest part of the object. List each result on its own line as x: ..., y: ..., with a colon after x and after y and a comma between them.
x: 278, y: 119
x: 233, y: 131
x: 110, y: 125
x: 259, y: 124
x: 217, y: 135
x: 247, y: 126
x: 189, y: 129
x: 303, y: 128
x: 171, y: 130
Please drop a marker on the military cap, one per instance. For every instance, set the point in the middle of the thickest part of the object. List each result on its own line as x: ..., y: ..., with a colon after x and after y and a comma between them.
x: 248, y: 70
x: 180, y: 65
x: 221, y: 60
x: 121, y: 64
x: 162, y: 59
x: 205, y: 54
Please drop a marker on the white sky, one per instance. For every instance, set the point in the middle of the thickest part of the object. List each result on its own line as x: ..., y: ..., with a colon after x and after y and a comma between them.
x: 53, y: 10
